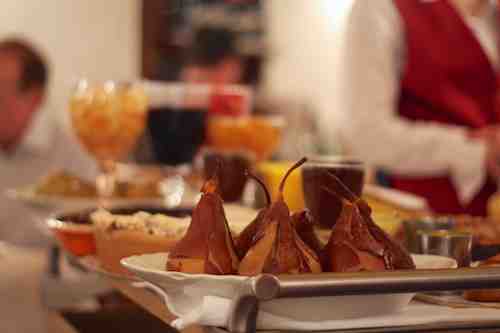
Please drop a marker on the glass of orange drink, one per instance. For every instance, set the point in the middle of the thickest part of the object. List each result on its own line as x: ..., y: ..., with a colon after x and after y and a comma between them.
x: 108, y: 119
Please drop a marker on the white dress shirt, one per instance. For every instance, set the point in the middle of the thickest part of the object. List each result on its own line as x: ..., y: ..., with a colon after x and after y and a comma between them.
x: 373, y: 59
x: 46, y: 147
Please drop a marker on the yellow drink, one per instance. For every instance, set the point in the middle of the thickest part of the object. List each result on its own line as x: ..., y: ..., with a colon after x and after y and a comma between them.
x: 273, y: 172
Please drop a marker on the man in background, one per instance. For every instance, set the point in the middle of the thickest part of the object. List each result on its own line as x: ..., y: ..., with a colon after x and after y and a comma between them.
x: 23, y: 79
x: 32, y: 143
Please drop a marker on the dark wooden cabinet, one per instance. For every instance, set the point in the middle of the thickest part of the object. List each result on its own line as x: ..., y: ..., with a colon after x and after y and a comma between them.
x: 168, y: 24
x: 155, y: 38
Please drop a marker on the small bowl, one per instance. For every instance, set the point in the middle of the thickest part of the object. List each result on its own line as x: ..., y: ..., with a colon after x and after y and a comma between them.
x: 453, y: 244
x: 114, y: 245
x: 75, y: 232
x: 412, y: 227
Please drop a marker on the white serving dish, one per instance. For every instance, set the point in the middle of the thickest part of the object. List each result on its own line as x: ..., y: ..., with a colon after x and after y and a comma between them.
x: 187, y: 290
x: 29, y: 196
x: 401, y: 199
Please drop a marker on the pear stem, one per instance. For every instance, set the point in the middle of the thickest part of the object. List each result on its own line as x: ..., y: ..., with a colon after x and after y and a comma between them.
x: 218, y: 169
x: 211, y: 185
x: 295, y: 166
x: 334, y: 193
x: 348, y: 194
x: 249, y: 174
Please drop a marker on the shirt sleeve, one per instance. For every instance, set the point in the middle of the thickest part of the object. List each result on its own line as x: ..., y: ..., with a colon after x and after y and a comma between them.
x: 372, y: 59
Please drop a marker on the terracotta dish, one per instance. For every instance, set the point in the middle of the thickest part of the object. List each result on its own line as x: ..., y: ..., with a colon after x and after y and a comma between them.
x: 126, y: 232
x: 75, y: 233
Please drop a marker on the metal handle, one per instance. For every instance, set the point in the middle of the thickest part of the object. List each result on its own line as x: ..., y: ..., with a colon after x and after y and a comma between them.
x: 243, y: 316
x: 266, y: 287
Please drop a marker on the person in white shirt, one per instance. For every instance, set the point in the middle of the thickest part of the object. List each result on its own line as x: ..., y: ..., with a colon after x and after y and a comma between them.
x: 32, y: 143
x: 420, y: 81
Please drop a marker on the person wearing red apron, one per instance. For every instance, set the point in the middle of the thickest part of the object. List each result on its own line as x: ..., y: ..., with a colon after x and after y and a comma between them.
x: 421, y: 79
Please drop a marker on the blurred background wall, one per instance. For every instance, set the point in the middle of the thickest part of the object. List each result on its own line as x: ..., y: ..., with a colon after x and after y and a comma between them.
x: 102, y: 39
x: 93, y: 38
x: 305, y: 41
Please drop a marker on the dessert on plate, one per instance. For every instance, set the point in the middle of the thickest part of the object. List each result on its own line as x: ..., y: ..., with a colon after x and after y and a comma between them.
x: 356, y: 242
x: 62, y: 183
x: 278, y: 242
x: 119, y: 236
x: 207, y: 246
x: 276, y: 246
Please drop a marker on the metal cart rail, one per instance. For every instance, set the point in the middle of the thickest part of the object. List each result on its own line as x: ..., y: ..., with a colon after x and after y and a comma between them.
x: 245, y: 307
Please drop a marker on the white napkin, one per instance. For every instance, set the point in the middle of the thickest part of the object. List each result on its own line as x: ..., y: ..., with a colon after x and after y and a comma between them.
x: 214, y: 311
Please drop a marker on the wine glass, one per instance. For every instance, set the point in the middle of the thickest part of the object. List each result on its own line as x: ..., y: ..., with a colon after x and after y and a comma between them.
x: 108, y: 118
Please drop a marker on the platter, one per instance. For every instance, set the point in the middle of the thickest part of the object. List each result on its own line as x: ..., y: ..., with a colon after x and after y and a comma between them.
x: 92, y: 264
x: 29, y: 196
x: 187, y: 291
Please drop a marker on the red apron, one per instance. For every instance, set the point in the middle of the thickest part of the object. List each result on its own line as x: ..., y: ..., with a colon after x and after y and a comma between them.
x: 447, y: 79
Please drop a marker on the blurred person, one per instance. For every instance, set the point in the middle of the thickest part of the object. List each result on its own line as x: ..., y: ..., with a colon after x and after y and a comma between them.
x: 213, y: 58
x: 421, y: 88
x: 32, y: 142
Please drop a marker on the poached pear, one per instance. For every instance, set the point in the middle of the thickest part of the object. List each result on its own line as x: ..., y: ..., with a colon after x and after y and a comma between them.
x: 207, y: 246
x: 356, y: 242
x: 304, y: 225
x: 245, y: 239
x: 276, y: 247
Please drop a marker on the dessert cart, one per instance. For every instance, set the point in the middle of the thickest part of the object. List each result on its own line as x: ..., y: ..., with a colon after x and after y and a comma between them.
x: 244, y: 308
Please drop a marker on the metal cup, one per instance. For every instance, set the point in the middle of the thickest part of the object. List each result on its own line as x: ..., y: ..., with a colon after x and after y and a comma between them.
x: 456, y: 245
x: 427, y: 224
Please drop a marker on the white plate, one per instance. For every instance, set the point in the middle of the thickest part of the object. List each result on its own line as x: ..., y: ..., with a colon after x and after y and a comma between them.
x: 29, y: 196
x: 187, y: 290
x: 399, y: 198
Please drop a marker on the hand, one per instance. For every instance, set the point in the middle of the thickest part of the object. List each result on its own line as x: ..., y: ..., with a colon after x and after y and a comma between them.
x: 493, y: 160
x: 490, y: 135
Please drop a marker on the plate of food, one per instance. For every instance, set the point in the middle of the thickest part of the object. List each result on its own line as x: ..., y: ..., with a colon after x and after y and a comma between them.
x: 77, y: 230
x: 135, y: 186
x: 193, y: 287
x: 209, y: 261
x: 108, y: 235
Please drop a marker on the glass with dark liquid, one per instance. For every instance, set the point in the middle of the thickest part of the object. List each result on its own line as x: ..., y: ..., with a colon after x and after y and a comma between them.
x: 324, y: 206
x: 177, y: 121
x: 176, y: 134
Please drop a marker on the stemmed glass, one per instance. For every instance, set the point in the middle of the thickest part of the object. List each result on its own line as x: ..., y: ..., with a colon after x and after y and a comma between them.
x: 108, y: 118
